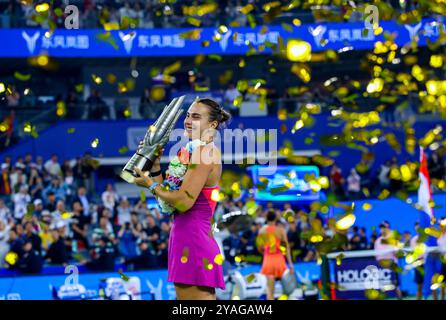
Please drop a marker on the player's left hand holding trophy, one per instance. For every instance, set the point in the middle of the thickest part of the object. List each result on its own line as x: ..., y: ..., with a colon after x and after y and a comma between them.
x: 154, y: 140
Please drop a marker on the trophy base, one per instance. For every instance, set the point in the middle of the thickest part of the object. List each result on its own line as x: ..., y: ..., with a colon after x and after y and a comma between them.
x: 127, y: 176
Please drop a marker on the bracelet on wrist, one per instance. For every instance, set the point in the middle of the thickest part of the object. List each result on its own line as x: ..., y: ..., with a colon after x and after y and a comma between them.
x: 155, y: 173
x: 153, y: 186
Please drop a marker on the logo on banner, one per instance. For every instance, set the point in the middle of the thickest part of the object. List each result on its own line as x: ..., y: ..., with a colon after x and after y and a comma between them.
x: 317, y: 34
x: 358, y: 279
x: 224, y: 39
x: 413, y: 30
x: 127, y: 39
x: 31, y: 41
x: 156, y: 291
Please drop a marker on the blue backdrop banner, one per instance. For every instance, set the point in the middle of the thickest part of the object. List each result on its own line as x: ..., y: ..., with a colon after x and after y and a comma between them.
x: 155, y: 281
x: 178, y: 42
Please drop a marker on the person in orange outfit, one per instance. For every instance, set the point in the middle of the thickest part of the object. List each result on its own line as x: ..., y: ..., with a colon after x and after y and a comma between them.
x: 272, y: 241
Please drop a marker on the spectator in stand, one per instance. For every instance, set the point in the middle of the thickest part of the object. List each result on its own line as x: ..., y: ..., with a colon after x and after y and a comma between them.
x: 50, y: 203
x: 32, y: 236
x: 79, y: 226
x: 147, y: 258
x: 231, y: 246
x: 152, y: 230
x: 353, y: 184
x: 109, y: 197
x: 5, y: 212
x: 163, y: 244
x: 247, y: 240
x: 406, y: 239
x: 97, y: 109
x: 45, y: 235
x: 38, y: 208
x: 128, y: 237
x: 436, y: 166
x: 29, y: 164
x: 36, y: 188
x: 419, y: 270
x: 124, y: 212
x: 72, y: 103
x: 87, y: 168
x: 5, y: 185
x: 364, y: 171
x: 83, y: 199
x: 231, y: 94
x: 363, y: 243
x: 69, y: 186
x: 30, y: 262
x: 294, y: 240
x: 65, y: 167
x: 16, y: 241
x: 56, y: 188
x: 354, y: 242
x: 386, y: 242
x: 52, y: 166
x: 7, y: 162
x: 60, y: 209
x: 18, y: 180
x: 39, y: 165
x: 21, y: 201
x: 4, y: 241
x: 102, y: 256
x: 337, y: 181
x: 58, y: 251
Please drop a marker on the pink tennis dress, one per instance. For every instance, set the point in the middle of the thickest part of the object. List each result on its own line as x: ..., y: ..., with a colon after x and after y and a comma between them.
x: 194, y: 257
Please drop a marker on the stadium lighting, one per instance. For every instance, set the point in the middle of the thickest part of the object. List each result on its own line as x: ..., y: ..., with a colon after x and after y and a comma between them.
x: 298, y: 50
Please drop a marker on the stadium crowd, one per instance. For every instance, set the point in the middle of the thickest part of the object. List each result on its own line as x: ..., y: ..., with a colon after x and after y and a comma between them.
x: 165, y: 14
x: 51, y: 214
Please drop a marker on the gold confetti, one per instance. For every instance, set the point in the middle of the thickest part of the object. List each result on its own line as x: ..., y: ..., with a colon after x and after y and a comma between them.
x: 219, y: 259
x: 238, y: 101
x: 185, y: 255
x: 193, y: 21
x: 207, y: 265
x: 43, y: 7
x: 194, y: 34
x: 247, y: 9
x: 172, y: 68
x: 436, y: 61
x: 21, y: 76
x: 346, y: 222
x: 298, y: 50
x: 124, y: 277
x: 11, y: 258
x: 95, y: 143
x: 322, y: 160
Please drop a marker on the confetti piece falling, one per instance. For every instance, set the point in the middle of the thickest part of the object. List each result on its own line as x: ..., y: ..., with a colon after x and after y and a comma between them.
x: 95, y: 143
x: 11, y: 258
x: 21, y: 76
x: 346, y: 222
x: 185, y: 255
x: 124, y: 277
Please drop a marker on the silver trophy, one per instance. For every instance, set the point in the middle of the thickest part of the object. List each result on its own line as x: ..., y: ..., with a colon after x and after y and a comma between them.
x: 156, y: 137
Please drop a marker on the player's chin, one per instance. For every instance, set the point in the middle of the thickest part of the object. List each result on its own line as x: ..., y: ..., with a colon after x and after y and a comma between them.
x: 188, y: 133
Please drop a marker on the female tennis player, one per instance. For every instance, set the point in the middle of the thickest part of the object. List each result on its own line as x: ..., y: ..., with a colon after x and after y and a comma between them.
x: 271, y: 241
x: 194, y: 258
